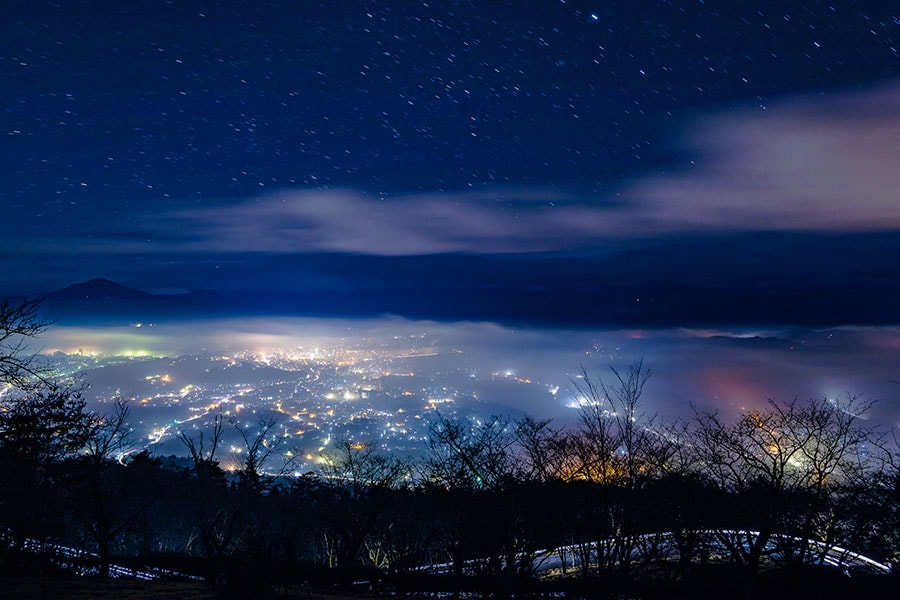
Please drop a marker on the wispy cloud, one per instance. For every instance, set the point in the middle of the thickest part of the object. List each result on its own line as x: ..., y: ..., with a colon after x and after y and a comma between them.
x: 348, y: 221
x: 811, y: 163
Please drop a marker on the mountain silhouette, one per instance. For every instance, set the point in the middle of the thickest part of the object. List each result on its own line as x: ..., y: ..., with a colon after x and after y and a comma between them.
x: 98, y: 290
x: 104, y: 300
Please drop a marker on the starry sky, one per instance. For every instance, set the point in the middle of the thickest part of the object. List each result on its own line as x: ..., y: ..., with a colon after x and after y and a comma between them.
x: 653, y: 163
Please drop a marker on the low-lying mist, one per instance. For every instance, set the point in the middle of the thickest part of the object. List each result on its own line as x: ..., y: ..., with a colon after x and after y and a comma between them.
x: 711, y: 369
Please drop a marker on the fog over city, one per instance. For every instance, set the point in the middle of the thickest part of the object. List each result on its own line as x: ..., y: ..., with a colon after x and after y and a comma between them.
x: 383, y: 378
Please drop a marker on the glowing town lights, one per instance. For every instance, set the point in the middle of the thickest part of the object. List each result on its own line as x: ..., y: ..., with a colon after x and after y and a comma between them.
x: 582, y: 402
x: 313, y: 398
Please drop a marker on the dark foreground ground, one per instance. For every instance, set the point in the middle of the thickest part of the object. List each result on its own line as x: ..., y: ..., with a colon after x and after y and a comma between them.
x: 795, y: 586
x: 80, y: 588
x: 85, y: 588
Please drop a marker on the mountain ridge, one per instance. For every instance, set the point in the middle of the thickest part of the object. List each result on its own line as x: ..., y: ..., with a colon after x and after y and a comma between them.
x: 98, y: 288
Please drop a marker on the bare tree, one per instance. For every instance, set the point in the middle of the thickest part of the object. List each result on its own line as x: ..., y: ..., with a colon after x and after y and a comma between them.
x: 485, y: 463
x: 104, y: 487
x: 835, y: 459
x: 203, y: 448
x: 400, y: 541
x: 215, y: 513
x: 598, y: 439
x: 793, y: 469
x: 543, y: 449
x: 113, y: 436
x: 615, y: 426
x: 20, y: 367
x: 357, y: 482
x: 617, y: 447
x: 260, y: 447
x: 478, y: 455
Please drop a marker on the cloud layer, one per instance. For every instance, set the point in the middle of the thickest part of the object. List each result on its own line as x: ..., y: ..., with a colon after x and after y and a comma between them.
x: 829, y: 164
x: 810, y: 163
x: 722, y: 369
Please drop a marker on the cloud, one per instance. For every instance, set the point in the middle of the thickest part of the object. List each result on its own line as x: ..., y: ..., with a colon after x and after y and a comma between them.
x: 823, y: 163
x: 810, y: 163
x: 348, y: 221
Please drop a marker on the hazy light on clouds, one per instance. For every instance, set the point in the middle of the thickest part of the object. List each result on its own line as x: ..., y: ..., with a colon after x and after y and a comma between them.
x: 261, y: 333
x: 811, y: 163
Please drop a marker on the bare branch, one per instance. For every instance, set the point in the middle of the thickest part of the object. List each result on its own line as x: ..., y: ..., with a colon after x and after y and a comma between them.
x: 201, y: 455
x: 112, y: 433
x: 19, y: 366
x: 259, y: 448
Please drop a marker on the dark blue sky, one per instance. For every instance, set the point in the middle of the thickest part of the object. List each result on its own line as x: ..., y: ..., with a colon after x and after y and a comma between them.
x: 658, y: 163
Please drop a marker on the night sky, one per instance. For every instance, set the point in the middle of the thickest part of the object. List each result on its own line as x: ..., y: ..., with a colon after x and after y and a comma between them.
x: 658, y: 164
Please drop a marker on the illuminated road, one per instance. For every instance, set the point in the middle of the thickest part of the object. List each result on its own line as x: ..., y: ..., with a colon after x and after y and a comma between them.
x: 81, y: 562
x: 656, y: 546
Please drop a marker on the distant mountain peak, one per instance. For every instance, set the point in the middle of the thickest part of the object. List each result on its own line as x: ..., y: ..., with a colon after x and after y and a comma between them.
x: 99, y: 289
